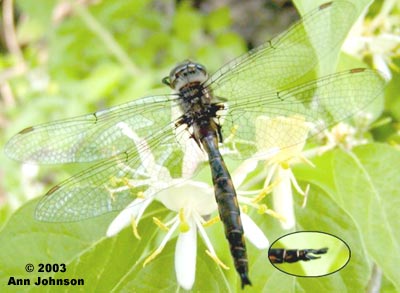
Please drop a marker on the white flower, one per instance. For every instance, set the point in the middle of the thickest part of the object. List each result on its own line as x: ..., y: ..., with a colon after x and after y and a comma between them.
x: 343, y: 135
x: 376, y: 37
x: 134, y: 211
x: 279, y: 153
x: 192, y: 201
x: 253, y: 233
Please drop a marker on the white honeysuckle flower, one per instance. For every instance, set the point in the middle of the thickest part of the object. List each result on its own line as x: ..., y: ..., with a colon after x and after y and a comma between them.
x: 185, y: 256
x: 290, y: 134
x: 253, y: 233
x: 192, y: 201
x: 130, y: 215
x: 282, y: 195
x: 286, y: 149
x: 134, y: 211
x: 250, y: 199
x: 381, y: 62
x: 290, y: 137
x: 343, y: 135
x: 376, y: 37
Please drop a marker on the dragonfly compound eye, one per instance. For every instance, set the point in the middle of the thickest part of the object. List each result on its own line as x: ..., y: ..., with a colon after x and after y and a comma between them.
x: 186, y: 73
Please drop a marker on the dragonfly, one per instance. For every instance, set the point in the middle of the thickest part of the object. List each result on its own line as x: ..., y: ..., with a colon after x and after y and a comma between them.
x: 276, y: 79
x: 280, y: 255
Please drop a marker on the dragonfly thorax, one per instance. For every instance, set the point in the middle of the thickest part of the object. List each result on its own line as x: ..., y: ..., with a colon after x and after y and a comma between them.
x: 195, y: 102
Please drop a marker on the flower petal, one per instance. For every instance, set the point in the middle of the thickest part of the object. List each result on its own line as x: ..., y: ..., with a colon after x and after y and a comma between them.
x: 185, y: 257
x: 190, y: 195
x: 147, y: 158
x: 240, y: 174
x: 253, y: 232
x: 283, y: 198
x: 124, y: 218
x: 287, y: 132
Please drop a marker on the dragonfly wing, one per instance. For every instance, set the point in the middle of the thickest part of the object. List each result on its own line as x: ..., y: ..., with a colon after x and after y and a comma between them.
x: 323, y: 102
x: 152, y: 164
x: 287, y: 58
x: 90, y: 137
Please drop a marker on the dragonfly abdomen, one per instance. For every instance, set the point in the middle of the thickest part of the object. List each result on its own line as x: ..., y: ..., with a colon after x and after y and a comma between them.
x: 228, y: 207
x: 280, y: 255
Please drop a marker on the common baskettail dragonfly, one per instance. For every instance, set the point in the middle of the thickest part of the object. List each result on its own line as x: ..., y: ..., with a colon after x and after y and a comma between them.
x: 274, y: 80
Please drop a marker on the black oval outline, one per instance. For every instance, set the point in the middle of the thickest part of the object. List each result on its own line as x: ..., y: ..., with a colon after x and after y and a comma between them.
x: 316, y: 276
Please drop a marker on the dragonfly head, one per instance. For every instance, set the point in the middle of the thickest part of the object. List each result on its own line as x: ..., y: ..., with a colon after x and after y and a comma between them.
x: 184, y: 73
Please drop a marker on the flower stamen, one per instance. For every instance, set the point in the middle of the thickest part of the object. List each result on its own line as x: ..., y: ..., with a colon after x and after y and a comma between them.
x: 134, y: 228
x: 162, y: 245
x: 212, y: 221
x: 160, y: 224
x: 210, y: 250
x: 265, y: 191
x: 215, y: 258
x: 275, y: 215
x: 303, y: 205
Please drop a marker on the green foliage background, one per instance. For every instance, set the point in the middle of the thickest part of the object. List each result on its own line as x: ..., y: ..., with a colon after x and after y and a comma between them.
x: 115, y: 51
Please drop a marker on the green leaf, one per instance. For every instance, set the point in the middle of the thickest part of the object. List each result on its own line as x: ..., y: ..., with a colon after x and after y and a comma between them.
x: 24, y: 241
x: 364, y: 186
x: 104, y: 263
x: 329, y: 64
x: 367, y: 184
x: 323, y: 214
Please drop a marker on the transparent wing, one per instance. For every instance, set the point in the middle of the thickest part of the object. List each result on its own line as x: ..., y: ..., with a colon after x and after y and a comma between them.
x: 323, y: 102
x: 148, y: 152
x: 153, y: 163
x: 288, y: 57
x: 91, y: 137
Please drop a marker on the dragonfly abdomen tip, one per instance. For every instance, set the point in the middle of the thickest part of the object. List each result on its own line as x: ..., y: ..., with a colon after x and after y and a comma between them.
x: 245, y: 279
